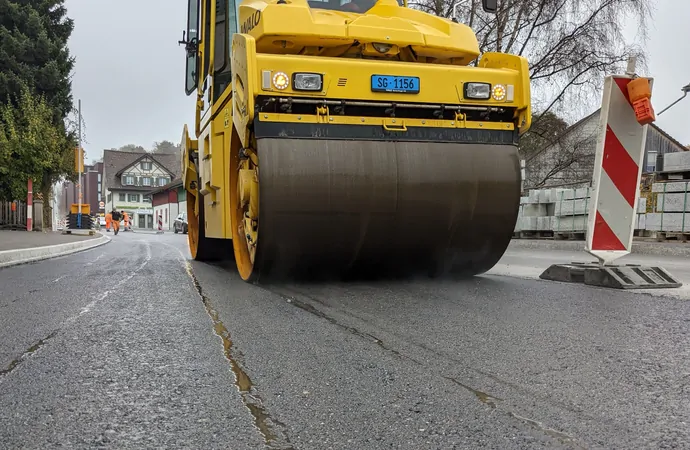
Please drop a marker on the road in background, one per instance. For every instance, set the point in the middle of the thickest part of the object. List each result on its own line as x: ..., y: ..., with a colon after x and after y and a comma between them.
x: 140, y: 346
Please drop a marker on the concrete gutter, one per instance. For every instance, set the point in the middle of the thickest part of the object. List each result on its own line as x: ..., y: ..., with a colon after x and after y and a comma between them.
x: 27, y: 255
x: 638, y: 248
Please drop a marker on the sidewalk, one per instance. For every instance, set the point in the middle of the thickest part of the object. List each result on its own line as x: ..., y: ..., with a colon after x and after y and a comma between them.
x: 18, y: 247
x: 11, y: 240
x: 640, y: 246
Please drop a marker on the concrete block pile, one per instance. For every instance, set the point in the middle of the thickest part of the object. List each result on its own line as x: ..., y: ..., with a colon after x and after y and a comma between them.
x: 563, y: 211
x: 671, y: 207
x: 678, y: 162
x: 536, y: 211
x: 572, y: 210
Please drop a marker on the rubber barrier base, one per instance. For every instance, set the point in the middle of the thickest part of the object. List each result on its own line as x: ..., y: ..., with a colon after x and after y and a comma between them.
x: 628, y: 276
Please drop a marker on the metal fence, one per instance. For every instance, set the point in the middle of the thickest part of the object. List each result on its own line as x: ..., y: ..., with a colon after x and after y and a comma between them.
x: 12, y: 215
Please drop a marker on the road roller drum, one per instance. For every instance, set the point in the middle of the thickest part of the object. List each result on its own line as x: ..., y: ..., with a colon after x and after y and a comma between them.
x: 337, y: 207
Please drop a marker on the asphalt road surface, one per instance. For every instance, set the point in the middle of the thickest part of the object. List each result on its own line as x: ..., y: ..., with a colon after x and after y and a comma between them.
x: 133, y: 345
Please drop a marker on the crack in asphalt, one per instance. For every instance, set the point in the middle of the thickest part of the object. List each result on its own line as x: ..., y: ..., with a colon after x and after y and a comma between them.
x: 31, y: 350
x: 483, y: 397
x: 274, y: 439
x: 27, y: 353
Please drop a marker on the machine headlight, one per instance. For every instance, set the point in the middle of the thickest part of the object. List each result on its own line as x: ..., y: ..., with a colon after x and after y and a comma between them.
x: 281, y: 80
x: 480, y: 91
x: 499, y: 92
x: 381, y: 48
x: 307, y: 81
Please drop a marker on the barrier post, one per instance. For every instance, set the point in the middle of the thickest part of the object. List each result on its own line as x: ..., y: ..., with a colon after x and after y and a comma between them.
x: 29, y: 206
x: 616, y: 180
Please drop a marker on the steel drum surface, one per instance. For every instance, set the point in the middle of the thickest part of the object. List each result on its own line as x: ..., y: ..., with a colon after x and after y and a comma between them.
x: 388, y: 208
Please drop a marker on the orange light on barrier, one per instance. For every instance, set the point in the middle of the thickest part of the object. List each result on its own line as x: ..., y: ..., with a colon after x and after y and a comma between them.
x: 640, y: 94
x: 644, y: 111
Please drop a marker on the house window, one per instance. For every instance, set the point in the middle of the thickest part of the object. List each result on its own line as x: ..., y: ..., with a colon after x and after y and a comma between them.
x: 122, y: 197
x: 162, y: 181
x: 128, y: 180
x: 146, y: 165
x: 99, y: 197
x: 146, y: 199
x: 99, y: 178
x: 134, y: 198
x: 110, y: 197
x: 651, y: 162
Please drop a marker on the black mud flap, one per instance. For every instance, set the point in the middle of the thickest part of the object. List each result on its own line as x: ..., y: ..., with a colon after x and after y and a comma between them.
x: 628, y: 276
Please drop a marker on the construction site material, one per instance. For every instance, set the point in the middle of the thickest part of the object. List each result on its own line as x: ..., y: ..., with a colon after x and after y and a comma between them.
x: 676, y: 162
x: 672, y: 209
x: 674, y: 222
x: 565, y: 214
x: 671, y: 186
x: 673, y: 202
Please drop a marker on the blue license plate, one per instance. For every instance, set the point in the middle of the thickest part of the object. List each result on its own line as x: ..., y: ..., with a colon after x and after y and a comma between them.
x: 387, y: 83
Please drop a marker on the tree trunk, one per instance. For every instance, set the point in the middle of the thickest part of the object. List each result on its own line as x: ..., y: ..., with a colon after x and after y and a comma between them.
x: 46, y: 188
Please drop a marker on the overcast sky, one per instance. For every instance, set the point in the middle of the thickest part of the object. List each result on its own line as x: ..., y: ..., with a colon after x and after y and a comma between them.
x: 129, y: 71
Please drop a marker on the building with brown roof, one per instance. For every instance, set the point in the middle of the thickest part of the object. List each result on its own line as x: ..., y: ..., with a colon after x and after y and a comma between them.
x: 169, y: 201
x: 130, y: 176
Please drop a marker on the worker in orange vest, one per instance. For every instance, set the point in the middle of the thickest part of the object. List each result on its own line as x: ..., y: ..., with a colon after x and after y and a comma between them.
x: 117, y: 217
x: 127, y: 224
x: 108, y: 221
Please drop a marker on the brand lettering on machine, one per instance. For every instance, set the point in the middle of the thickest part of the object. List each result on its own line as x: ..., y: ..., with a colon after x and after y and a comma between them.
x: 251, y: 22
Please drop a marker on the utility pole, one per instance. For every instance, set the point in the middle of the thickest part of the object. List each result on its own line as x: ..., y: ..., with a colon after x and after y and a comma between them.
x: 79, y: 164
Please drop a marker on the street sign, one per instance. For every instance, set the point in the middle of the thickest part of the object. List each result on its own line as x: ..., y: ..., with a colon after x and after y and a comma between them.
x: 101, y: 205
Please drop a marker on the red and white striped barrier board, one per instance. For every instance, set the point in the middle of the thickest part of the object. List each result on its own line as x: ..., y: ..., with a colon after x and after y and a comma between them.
x: 617, y: 171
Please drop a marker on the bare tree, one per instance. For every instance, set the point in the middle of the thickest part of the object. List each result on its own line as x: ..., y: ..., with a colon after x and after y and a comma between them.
x: 570, y: 44
x: 567, y: 160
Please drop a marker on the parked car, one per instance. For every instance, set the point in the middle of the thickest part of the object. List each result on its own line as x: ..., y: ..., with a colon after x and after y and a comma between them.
x: 180, y: 223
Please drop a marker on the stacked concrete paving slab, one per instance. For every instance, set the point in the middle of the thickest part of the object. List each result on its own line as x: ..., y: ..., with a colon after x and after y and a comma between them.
x: 536, y: 212
x: 571, y: 210
x: 677, y: 162
x: 672, y: 196
x: 563, y: 212
x: 672, y: 207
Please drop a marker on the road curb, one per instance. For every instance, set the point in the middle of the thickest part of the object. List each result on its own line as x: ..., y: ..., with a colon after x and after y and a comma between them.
x: 26, y: 255
x: 638, y: 248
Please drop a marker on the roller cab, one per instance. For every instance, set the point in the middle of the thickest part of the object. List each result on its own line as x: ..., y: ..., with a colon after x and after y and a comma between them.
x: 357, y: 137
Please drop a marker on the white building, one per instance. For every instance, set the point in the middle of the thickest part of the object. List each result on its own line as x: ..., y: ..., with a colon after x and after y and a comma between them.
x: 129, y: 177
x: 569, y: 162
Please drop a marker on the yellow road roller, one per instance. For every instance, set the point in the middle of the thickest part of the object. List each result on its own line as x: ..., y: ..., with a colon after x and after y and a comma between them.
x: 338, y: 137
